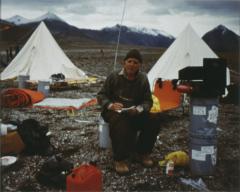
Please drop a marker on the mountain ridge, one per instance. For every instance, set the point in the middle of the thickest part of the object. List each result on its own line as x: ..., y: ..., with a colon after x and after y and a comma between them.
x: 19, y: 20
x: 219, y: 39
x: 129, y: 35
x: 222, y: 39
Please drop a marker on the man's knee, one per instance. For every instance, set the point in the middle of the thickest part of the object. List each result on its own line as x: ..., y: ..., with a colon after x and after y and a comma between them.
x: 153, y: 124
x: 110, y: 116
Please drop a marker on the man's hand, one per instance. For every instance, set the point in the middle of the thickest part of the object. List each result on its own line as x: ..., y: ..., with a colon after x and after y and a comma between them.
x: 133, y: 111
x: 115, y: 106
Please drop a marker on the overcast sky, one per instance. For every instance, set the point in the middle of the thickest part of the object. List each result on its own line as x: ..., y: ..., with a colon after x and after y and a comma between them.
x: 167, y: 15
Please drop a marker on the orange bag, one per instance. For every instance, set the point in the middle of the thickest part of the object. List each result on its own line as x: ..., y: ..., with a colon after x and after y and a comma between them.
x: 84, y: 178
x: 11, y: 143
x: 15, y: 97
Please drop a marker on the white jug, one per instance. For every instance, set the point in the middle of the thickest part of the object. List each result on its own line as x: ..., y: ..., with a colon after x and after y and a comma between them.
x: 104, y: 138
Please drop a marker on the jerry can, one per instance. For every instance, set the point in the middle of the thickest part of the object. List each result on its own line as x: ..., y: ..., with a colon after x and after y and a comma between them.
x: 84, y: 178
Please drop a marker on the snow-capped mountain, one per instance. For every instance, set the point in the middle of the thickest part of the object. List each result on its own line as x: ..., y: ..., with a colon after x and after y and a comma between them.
x: 150, y: 31
x: 222, y: 39
x: 226, y: 43
x: 18, y: 20
x: 131, y: 36
x: 47, y: 16
x: 222, y: 28
x: 143, y: 30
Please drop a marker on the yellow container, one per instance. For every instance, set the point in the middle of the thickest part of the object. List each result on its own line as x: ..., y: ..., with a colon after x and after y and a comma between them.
x: 180, y: 158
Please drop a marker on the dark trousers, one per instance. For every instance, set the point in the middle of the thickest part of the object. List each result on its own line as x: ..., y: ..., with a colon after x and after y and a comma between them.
x: 123, y: 133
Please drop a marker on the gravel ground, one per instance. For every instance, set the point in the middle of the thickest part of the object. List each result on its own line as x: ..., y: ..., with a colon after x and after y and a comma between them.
x: 79, y: 142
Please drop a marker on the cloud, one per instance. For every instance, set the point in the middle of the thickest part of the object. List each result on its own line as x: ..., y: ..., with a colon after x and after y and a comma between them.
x: 169, y: 15
x: 29, y: 5
x: 35, y: 3
x: 229, y: 8
x: 81, y: 9
x: 216, y: 8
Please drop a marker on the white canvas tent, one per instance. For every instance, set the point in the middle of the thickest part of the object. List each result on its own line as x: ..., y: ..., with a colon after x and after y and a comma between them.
x: 41, y: 57
x: 187, y: 50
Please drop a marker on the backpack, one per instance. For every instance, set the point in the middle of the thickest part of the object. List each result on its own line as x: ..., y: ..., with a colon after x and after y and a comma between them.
x: 34, y: 137
x: 54, y: 172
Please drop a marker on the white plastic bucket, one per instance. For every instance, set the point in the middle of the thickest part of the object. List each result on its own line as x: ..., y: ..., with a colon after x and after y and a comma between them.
x: 44, y: 87
x: 104, y: 138
x: 3, y: 130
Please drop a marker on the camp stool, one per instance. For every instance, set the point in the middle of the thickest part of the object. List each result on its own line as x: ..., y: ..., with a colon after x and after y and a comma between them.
x: 169, y: 97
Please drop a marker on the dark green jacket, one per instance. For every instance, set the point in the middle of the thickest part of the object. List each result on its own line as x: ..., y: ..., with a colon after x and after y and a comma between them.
x: 117, y: 88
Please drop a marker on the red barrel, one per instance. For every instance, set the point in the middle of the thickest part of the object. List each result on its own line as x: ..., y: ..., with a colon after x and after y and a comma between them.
x: 84, y: 178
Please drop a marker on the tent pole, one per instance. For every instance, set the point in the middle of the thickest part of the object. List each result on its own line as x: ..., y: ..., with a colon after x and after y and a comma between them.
x: 119, y: 34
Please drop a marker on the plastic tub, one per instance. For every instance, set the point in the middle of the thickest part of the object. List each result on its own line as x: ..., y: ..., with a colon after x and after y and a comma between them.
x: 22, y: 81
x: 44, y: 87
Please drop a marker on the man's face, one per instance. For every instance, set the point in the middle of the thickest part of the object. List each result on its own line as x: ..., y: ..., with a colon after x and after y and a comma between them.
x: 131, y: 66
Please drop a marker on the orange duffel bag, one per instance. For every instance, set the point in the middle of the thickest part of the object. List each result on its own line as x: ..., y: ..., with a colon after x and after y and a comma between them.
x: 84, y: 178
x: 11, y: 143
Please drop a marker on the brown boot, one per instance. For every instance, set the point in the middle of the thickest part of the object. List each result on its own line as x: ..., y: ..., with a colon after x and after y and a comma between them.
x: 121, y: 167
x: 146, y: 160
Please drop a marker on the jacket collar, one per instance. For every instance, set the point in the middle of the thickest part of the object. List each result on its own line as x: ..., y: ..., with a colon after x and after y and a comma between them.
x: 122, y: 72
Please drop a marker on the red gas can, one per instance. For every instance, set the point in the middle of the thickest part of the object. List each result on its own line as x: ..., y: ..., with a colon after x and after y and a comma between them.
x: 84, y: 178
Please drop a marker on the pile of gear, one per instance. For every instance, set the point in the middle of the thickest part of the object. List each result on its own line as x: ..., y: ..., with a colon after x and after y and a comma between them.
x: 30, y: 138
